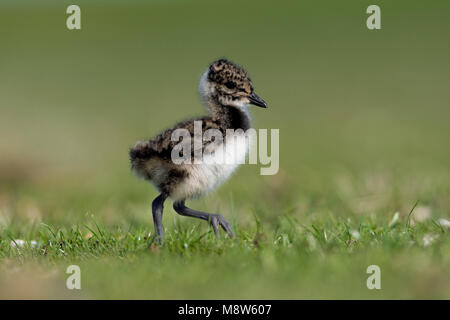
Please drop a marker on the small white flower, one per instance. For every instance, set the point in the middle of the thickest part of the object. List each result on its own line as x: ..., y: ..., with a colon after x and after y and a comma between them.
x: 444, y: 222
x: 355, y: 234
x: 429, y: 238
x: 394, y: 219
x: 19, y: 243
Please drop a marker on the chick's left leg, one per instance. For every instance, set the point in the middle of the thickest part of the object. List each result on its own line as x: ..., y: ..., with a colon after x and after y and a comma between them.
x: 157, y: 209
x: 215, y: 220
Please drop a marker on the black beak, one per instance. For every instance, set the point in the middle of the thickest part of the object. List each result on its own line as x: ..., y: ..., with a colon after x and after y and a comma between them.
x: 257, y: 101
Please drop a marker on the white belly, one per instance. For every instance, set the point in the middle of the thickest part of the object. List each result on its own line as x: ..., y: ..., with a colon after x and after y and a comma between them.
x: 214, y: 169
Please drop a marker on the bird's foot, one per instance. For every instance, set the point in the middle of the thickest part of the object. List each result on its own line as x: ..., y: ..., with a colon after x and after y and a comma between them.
x: 217, y: 220
x: 156, y: 241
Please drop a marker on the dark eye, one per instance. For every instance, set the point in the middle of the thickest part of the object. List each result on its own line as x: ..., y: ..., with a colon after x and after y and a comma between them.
x: 230, y: 85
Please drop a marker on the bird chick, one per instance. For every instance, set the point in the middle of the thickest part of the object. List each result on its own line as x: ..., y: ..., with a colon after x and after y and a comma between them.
x: 227, y: 90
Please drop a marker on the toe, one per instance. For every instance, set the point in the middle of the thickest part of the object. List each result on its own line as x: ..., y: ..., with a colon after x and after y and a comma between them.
x: 226, y: 226
x: 215, y: 225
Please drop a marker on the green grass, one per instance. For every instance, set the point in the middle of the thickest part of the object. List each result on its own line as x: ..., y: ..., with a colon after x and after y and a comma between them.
x: 326, y: 258
x: 363, y: 118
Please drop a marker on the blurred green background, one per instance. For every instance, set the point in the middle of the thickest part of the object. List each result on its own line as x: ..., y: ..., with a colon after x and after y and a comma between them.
x: 364, y: 133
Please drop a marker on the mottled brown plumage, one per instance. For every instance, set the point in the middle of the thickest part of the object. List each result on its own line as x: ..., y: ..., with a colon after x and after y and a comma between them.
x: 161, y: 146
x: 226, y: 90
